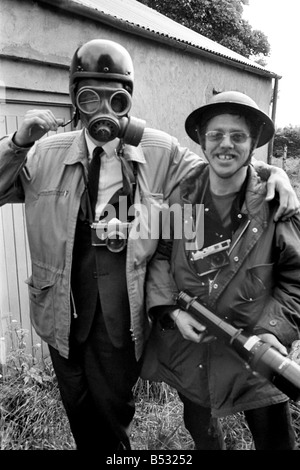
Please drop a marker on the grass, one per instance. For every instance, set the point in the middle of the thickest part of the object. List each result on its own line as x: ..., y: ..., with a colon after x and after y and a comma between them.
x: 32, y: 416
x: 158, y: 423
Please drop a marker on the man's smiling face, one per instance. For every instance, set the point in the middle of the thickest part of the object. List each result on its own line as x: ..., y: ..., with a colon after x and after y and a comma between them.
x: 227, y: 154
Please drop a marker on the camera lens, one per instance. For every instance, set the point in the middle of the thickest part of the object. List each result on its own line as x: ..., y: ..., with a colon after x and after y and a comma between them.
x: 116, y: 241
x: 218, y: 260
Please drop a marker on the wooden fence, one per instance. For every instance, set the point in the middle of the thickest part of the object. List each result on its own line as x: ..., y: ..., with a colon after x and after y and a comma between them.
x: 15, y: 262
x: 15, y: 328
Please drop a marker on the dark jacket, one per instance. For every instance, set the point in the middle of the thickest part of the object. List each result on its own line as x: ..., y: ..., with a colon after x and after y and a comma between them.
x: 259, y: 291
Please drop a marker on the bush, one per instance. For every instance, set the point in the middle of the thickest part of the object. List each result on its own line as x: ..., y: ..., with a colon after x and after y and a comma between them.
x: 288, y: 136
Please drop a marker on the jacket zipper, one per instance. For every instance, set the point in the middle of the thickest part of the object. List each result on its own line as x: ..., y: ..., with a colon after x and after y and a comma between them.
x: 73, y: 303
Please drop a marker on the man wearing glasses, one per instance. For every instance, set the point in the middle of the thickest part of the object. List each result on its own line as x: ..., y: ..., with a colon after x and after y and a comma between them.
x: 247, y: 272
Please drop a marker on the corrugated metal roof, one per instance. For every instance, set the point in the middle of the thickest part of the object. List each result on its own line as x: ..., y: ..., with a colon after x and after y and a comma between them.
x: 134, y: 13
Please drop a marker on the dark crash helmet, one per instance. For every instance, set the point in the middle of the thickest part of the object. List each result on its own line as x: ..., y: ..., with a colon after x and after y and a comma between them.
x: 232, y: 102
x: 101, y: 59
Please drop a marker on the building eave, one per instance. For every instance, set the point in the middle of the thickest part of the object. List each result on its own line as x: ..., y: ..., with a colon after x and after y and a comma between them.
x: 122, y: 24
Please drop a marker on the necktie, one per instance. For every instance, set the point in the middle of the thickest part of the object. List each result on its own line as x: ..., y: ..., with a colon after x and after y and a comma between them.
x: 93, y: 177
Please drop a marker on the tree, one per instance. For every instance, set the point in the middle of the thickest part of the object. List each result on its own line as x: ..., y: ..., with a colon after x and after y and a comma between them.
x: 219, y: 20
x: 289, y: 136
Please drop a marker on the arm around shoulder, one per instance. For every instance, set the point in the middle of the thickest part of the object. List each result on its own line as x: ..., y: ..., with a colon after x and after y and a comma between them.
x: 278, y: 181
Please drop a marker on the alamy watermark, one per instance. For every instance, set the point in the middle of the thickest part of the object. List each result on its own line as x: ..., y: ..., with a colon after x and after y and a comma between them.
x: 153, y: 221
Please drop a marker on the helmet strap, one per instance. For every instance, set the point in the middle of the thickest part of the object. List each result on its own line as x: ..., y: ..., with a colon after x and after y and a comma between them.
x: 76, y: 117
x: 199, y: 138
x: 258, y: 135
x: 254, y: 145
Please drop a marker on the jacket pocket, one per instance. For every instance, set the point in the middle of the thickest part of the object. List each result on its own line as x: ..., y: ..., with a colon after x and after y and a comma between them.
x: 258, y: 282
x: 251, y: 295
x: 41, y: 297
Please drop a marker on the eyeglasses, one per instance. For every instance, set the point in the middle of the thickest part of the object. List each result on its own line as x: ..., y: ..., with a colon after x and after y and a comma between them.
x: 236, y: 137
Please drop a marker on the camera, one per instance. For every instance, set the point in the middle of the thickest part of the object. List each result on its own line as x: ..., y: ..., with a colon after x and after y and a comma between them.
x: 112, y: 234
x: 211, y: 258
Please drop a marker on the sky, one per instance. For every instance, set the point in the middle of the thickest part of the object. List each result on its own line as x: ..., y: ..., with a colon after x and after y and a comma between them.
x: 280, y: 21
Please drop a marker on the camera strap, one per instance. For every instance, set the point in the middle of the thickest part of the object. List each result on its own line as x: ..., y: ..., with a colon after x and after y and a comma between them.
x: 129, y: 173
x: 205, y: 198
x: 86, y: 211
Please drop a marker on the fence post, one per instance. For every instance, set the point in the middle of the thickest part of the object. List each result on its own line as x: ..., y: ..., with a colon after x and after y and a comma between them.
x: 284, y: 157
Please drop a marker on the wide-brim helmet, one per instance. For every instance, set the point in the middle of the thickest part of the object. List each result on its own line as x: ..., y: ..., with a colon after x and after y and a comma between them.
x: 101, y: 59
x: 232, y: 102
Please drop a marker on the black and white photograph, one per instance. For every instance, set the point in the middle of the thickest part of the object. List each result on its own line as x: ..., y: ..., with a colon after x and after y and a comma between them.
x: 149, y: 228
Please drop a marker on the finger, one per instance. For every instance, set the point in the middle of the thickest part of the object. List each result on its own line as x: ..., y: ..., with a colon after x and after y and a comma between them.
x: 282, y: 210
x: 279, y: 214
x: 51, y: 123
x: 282, y: 349
x: 197, y: 326
x: 293, y: 210
x: 192, y: 335
x: 37, y: 124
x: 205, y: 337
x: 288, y: 212
x: 208, y: 338
x: 54, y: 122
x: 277, y: 345
x: 286, y: 217
x: 270, y: 191
x: 45, y: 119
x: 200, y: 337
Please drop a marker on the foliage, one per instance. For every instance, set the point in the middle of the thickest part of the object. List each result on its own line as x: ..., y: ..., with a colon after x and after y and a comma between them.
x: 288, y: 136
x: 32, y: 417
x: 219, y: 20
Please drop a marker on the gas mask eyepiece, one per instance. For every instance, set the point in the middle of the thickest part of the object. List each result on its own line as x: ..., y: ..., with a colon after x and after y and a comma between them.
x: 105, y: 113
x: 91, y: 101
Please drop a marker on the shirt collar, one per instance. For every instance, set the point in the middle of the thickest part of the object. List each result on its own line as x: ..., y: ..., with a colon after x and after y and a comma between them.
x: 108, y: 147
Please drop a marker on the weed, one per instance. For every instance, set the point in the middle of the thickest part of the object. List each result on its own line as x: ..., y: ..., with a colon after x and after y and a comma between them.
x: 32, y: 416
x: 31, y: 413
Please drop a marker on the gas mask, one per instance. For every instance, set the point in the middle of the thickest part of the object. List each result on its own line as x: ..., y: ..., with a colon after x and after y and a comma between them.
x: 104, y: 111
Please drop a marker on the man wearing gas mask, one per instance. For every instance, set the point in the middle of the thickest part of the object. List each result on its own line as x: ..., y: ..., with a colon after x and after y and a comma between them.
x: 88, y: 261
x: 246, y: 271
